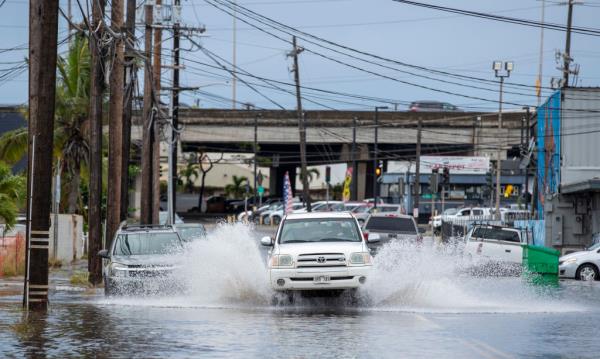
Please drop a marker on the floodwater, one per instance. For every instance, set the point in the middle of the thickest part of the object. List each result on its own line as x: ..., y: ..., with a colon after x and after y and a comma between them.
x: 419, y: 303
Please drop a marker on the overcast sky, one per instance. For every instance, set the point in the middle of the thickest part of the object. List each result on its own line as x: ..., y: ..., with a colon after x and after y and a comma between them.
x: 413, y: 35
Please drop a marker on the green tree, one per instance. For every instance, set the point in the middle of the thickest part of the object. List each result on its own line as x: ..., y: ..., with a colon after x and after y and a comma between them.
x: 12, y: 194
x: 311, y: 173
x: 237, y: 188
x: 71, y: 123
x: 190, y: 173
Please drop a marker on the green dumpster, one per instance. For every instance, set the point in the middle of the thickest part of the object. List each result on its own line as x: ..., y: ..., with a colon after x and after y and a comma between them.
x: 540, y: 264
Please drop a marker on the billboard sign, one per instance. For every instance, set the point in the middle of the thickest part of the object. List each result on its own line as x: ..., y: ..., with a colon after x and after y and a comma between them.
x: 456, y: 164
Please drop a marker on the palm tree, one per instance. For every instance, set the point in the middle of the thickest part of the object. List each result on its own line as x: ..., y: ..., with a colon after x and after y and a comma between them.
x: 190, y: 173
x: 12, y: 194
x: 237, y: 188
x: 70, y: 124
x: 311, y: 173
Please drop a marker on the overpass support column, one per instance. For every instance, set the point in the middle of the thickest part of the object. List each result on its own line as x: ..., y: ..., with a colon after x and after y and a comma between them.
x: 276, y: 179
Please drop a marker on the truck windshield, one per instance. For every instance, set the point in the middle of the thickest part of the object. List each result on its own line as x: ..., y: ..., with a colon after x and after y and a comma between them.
x: 319, y: 230
x: 391, y: 224
x: 133, y: 244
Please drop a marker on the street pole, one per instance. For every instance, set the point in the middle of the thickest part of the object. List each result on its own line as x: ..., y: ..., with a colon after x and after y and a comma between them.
x: 354, y: 194
x: 130, y: 75
x: 175, y: 113
x: 95, y: 153
x: 499, y: 159
x: 527, y: 139
x: 43, y: 33
x: 567, y: 55
x: 255, y: 148
x: 541, y: 60
x: 301, y: 126
x: 417, y: 184
x: 375, y: 155
x: 234, y: 59
x: 147, y: 120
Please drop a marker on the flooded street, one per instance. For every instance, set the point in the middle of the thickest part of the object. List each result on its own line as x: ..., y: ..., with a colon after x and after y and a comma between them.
x: 419, y: 304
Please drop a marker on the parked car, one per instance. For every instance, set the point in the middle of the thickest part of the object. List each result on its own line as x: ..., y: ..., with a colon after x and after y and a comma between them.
x: 582, y: 265
x: 381, y: 228
x: 323, y: 206
x: 189, y: 232
x: 432, y: 106
x: 318, y: 251
x: 141, y: 258
x: 276, y: 216
x: 436, y: 221
x: 498, y: 247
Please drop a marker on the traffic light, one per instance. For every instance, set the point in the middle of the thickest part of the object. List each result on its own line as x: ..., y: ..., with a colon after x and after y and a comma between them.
x: 378, y: 172
x: 446, y: 176
x: 327, y: 174
x: 434, y: 181
x: 489, y: 180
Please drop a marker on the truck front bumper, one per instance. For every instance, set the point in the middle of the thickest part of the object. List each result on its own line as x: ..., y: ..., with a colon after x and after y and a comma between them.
x: 318, y: 278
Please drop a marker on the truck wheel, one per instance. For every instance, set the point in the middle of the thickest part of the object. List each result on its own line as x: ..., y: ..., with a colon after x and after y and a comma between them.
x: 587, y: 272
x: 276, y: 220
x: 108, y: 288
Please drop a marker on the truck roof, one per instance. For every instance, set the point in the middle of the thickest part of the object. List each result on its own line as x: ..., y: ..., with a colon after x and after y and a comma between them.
x: 317, y: 215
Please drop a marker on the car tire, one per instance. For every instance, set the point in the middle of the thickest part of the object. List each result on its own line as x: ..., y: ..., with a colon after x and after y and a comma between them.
x: 108, y: 288
x: 587, y: 272
x: 276, y: 220
x: 361, y: 222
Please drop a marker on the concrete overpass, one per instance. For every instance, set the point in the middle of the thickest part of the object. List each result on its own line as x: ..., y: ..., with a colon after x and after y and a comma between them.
x: 329, y: 136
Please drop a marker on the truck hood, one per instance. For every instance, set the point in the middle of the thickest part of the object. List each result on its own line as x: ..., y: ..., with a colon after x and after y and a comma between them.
x: 296, y: 249
x: 146, y: 260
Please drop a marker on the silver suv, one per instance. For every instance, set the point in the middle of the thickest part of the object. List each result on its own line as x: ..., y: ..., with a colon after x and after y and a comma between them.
x: 141, y: 259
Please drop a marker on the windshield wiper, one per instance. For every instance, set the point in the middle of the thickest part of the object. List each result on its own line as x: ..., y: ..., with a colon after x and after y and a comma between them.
x: 295, y: 241
x: 336, y: 240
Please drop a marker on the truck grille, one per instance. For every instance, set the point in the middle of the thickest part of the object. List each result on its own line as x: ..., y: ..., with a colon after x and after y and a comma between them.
x: 320, y: 260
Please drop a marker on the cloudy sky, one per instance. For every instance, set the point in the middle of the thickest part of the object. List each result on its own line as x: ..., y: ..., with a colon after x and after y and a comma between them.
x: 412, y: 35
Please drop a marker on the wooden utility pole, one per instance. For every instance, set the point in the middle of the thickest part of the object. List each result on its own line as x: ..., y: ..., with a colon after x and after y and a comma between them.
x: 95, y: 152
x: 175, y: 114
x: 567, y: 55
x: 301, y: 126
x: 417, y: 182
x: 115, y: 126
x: 156, y: 143
x: 147, y: 128
x: 354, y: 193
x: 130, y: 75
x: 43, y: 33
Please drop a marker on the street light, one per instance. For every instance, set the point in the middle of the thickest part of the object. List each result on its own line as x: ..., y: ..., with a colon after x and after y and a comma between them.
x: 375, y: 154
x: 497, y: 67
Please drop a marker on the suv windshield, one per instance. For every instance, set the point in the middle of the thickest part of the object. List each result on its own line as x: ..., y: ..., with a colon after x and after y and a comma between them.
x: 391, y: 224
x: 190, y: 233
x: 132, y: 244
x: 496, y: 233
x: 319, y: 230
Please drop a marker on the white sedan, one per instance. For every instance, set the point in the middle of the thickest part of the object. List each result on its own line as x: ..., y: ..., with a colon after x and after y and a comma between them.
x: 581, y: 265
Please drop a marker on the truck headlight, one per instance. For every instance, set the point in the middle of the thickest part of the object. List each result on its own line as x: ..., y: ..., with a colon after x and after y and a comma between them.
x: 281, y: 260
x: 118, y: 270
x: 360, y: 258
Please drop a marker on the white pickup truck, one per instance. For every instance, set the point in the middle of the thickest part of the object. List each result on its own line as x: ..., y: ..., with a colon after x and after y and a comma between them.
x: 318, y: 251
x: 495, y: 245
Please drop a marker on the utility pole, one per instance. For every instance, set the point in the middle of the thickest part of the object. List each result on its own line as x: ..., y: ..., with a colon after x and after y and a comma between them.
x: 43, y: 33
x: 497, y: 66
x: 115, y: 126
x: 175, y: 115
x: 541, y: 60
x: 417, y: 183
x: 301, y: 125
x: 234, y: 59
x: 147, y: 123
x: 156, y: 128
x: 567, y: 55
x: 130, y: 75
x: 354, y: 193
x: 95, y: 152
x: 255, y: 148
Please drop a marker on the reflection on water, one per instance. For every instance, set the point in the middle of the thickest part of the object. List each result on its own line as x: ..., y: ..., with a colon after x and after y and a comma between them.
x: 419, y: 303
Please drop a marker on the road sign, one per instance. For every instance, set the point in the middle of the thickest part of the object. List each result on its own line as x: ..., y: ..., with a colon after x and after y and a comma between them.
x: 261, y: 190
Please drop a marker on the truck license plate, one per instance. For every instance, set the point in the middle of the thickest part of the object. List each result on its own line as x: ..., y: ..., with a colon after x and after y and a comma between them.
x: 321, y: 279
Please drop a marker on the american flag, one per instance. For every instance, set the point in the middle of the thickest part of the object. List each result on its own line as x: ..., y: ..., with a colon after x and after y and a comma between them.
x: 288, y: 196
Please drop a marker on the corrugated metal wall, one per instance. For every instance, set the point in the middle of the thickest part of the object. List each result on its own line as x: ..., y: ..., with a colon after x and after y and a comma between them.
x: 580, y: 135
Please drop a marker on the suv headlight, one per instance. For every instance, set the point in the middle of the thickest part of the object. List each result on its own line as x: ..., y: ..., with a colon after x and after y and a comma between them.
x: 118, y: 270
x: 360, y: 258
x: 281, y: 260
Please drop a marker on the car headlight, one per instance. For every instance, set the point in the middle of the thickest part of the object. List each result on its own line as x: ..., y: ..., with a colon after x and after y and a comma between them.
x: 360, y: 258
x: 281, y: 260
x: 118, y: 270
x: 570, y: 261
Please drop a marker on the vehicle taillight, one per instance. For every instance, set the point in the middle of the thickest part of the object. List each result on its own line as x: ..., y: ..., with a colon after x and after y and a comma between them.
x: 366, y: 236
